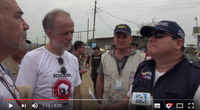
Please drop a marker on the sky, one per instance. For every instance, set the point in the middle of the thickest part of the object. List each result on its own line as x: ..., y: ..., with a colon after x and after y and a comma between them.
x: 135, y: 13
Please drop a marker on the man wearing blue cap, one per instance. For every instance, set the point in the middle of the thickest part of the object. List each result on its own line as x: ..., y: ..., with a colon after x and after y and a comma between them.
x: 172, y: 77
x: 117, y: 67
x: 168, y: 76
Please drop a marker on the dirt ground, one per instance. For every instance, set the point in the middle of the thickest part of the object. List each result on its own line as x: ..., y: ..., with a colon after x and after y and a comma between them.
x: 87, y: 84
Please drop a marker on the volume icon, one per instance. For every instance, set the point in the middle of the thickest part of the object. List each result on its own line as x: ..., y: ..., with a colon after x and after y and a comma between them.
x: 35, y: 106
x: 23, y: 105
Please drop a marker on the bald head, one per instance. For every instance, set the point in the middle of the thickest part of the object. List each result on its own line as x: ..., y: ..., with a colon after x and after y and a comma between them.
x: 49, y: 19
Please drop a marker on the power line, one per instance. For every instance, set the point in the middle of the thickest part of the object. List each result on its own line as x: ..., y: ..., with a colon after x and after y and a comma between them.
x: 104, y: 22
x: 129, y: 21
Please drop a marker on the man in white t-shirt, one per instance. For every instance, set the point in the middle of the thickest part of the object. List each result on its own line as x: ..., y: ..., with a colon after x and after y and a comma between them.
x: 12, y: 39
x: 51, y: 71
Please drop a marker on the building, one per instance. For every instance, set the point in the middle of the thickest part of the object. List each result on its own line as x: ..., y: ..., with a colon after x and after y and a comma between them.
x: 107, y: 42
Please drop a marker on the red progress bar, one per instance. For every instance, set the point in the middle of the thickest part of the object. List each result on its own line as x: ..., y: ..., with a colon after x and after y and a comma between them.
x: 55, y: 99
x: 35, y: 99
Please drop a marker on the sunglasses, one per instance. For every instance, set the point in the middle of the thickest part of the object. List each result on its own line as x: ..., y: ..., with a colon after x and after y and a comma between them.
x: 61, y: 63
x: 160, y: 34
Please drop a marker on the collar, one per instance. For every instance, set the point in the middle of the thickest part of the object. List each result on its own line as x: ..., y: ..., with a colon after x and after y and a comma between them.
x: 183, y: 60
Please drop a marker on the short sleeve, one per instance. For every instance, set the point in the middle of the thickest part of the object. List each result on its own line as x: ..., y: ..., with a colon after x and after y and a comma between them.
x: 77, y: 80
x: 28, y: 72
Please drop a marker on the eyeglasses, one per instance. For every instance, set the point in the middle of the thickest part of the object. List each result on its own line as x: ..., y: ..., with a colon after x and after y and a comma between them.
x: 61, y: 62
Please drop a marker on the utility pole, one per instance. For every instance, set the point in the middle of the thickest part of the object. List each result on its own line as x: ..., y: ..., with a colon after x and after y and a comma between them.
x: 198, y: 36
x: 88, y: 29
x: 196, y: 19
x: 94, y: 20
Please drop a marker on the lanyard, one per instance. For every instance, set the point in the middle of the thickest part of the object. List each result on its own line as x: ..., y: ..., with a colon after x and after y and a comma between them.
x: 6, y: 84
x: 120, y: 68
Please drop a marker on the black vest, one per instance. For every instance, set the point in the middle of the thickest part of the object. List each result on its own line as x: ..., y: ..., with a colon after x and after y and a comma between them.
x: 180, y: 82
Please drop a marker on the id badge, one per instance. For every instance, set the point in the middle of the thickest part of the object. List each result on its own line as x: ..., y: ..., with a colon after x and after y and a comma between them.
x: 118, y: 85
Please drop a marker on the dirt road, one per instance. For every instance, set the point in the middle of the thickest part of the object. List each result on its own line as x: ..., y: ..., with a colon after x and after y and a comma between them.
x: 85, y: 86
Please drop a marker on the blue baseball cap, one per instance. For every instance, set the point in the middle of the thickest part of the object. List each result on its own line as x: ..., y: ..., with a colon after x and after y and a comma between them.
x: 123, y: 28
x: 166, y: 26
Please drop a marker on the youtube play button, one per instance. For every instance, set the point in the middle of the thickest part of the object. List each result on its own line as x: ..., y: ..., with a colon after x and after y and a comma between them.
x: 10, y: 106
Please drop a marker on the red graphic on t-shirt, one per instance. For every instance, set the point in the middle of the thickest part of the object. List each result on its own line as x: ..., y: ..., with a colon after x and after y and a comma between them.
x: 62, y: 89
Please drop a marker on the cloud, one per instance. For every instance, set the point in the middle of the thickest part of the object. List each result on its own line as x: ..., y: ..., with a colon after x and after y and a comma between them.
x: 132, y: 12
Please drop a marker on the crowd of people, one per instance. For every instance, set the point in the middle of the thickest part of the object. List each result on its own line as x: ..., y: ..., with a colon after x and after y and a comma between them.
x: 119, y: 76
